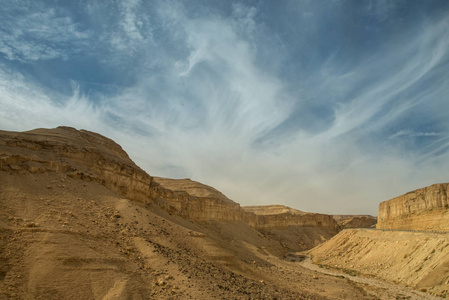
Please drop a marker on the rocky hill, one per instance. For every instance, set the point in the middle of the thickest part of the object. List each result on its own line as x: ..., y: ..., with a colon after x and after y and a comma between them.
x: 355, y: 221
x: 422, y: 209
x: 200, y: 202
x: 78, y: 219
x: 275, y: 209
x: 196, y: 201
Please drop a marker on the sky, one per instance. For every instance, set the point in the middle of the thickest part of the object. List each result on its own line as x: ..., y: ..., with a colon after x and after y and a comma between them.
x: 329, y: 106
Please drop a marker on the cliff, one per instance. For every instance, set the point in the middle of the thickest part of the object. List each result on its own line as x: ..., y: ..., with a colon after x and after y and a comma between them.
x: 278, y: 216
x: 422, y: 209
x: 274, y: 209
x: 355, y: 221
x: 200, y: 202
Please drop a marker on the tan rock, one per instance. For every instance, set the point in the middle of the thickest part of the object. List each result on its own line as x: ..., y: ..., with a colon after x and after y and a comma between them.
x: 422, y: 209
x: 355, y: 221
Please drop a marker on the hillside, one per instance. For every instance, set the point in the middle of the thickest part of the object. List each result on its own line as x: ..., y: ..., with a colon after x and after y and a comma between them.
x: 355, y: 221
x: 416, y: 259
x: 79, y: 220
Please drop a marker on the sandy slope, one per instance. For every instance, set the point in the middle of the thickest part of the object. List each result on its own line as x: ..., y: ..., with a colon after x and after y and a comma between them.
x: 416, y: 259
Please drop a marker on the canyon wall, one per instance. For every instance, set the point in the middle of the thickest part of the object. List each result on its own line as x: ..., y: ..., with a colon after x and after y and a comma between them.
x: 200, y: 202
x: 280, y: 216
x: 423, y: 209
x: 355, y: 221
x: 197, y: 202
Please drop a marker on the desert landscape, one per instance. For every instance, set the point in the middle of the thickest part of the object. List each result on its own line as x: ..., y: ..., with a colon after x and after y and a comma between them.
x: 79, y: 220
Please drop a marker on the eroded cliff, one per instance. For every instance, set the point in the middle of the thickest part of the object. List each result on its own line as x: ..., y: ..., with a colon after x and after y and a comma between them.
x: 355, y: 221
x: 200, y: 202
x: 197, y: 201
x: 422, y: 209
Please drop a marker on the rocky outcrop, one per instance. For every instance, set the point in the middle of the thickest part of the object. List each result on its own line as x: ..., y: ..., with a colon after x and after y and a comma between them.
x: 277, y: 216
x: 422, y: 209
x: 197, y: 201
x: 355, y: 221
x: 274, y: 209
x: 200, y: 202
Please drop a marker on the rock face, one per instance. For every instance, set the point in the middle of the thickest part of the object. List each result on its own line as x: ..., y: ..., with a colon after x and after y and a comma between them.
x: 279, y: 216
x: 200, y: 202
x: 422, y: 209
x: 294, y: 229
x: 355, y: 221
x: 275, y: 209
x: 197, y: 201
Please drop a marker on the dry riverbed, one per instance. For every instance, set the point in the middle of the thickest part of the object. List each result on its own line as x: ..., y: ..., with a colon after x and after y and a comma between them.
x: 373, y: 286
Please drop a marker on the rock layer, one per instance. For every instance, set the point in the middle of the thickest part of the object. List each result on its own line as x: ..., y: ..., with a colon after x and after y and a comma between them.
x: 422, y: 209
x: 355, y: 221
x: 197, y: 201
x: 274, y: 209
x: 200, y: 202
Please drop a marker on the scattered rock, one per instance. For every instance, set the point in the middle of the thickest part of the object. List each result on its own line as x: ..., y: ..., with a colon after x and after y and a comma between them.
x: 160, y: 282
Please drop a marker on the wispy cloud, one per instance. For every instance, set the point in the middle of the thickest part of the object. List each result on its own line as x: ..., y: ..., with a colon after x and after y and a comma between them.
x: 408, y: 133
x: 31, y: 32
x: 265, y: 109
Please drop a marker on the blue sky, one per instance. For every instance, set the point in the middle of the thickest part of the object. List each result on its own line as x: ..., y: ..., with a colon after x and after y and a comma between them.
x: 324, y: 106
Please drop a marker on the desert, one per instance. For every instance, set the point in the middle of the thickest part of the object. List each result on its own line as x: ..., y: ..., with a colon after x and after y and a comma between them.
x: 80, y: 220
x: 210, y: 149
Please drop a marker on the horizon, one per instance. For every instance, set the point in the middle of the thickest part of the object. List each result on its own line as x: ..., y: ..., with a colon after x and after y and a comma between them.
x: 323, y: 106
